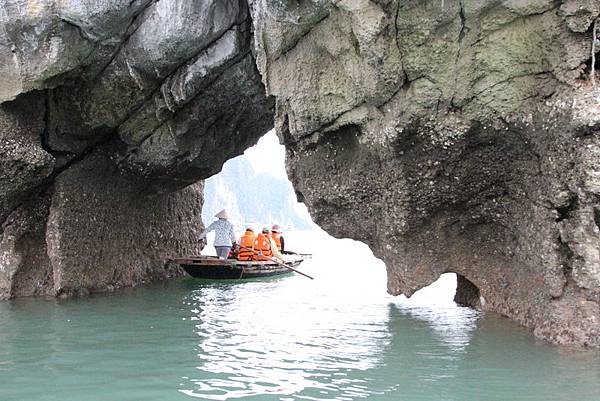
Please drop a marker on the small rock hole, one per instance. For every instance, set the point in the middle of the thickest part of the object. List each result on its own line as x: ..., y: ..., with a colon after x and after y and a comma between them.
x: 467, y: 293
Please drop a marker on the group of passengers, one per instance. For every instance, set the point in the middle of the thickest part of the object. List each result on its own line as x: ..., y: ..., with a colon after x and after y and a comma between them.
x: 267, y: 245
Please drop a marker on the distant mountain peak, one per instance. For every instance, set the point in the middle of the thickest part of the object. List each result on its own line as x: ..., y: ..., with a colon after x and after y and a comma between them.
x: 252, y: 199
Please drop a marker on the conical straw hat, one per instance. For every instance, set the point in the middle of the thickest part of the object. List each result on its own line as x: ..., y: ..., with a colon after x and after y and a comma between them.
x: 222, y: 215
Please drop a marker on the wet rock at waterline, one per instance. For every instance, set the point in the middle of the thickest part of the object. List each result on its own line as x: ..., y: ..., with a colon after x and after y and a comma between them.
x: 450, y: 137
x: 110, y: 112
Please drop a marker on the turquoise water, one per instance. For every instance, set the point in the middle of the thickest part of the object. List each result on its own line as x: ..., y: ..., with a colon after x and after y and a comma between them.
x: 289, y: 338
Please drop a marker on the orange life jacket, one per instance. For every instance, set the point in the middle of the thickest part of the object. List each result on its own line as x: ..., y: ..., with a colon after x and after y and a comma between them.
x: 262, y: 247
x: 277, y: 238
x: 246, y: 242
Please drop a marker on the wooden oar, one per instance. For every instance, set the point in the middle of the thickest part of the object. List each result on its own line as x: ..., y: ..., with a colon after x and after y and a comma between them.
x: 296, y: 253
x: 279, y: 263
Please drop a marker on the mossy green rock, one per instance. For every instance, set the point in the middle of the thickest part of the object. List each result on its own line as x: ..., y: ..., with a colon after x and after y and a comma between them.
x: 451, y: 136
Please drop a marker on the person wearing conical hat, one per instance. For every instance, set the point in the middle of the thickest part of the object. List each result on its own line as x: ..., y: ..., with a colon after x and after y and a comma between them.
x: 224, y: 235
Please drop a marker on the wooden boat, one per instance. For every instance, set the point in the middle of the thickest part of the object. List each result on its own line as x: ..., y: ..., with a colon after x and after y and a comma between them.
x: 212, y: 267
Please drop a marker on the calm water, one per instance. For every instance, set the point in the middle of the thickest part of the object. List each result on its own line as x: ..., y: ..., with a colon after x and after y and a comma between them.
x: 337, y: 337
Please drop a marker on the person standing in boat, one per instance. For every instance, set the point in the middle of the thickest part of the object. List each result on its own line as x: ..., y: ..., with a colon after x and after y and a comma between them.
x: 278, y: 237
x: 265, y: 248
x: 224, y: 235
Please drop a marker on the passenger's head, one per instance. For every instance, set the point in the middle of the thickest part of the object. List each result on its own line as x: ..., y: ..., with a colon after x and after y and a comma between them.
x: 249, y: 229
x: 265, y: 230
x: 276, y: 228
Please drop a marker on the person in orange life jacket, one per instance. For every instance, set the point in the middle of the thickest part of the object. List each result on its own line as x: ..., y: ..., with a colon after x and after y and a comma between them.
x: 278, y: 238
x: 265, y: 248
x: 246, y: 244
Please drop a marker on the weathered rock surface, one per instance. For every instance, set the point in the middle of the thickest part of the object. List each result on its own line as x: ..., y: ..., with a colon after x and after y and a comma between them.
x: 25, y: 164
x: 137, y: 232
x: 450, y: 136
x: 110, y: 112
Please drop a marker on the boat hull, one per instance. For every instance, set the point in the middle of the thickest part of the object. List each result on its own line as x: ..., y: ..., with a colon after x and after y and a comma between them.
x: 231, y: 269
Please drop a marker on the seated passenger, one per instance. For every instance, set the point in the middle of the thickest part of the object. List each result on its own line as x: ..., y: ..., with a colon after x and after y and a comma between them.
x: 276, y: 254
x: 246, y: 245
x: 278, y: 238
x: 262, y: 246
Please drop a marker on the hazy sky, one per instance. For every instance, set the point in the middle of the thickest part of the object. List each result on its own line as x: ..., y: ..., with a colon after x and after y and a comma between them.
x: 268, y: 155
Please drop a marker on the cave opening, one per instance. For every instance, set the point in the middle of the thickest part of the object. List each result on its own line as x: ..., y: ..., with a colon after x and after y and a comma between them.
x: 467, y: 293
x: 441, y: 293
x: 255, y: 190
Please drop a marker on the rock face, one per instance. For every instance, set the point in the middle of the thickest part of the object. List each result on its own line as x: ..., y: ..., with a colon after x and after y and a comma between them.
x: 110, y: 112
x: 450, y: 136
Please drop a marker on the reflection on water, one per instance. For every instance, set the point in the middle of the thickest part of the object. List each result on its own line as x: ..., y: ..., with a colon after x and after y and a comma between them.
x: 297, y: 341
x: 288, y: 338
x: 450, y: 325
x: 282, y: 346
